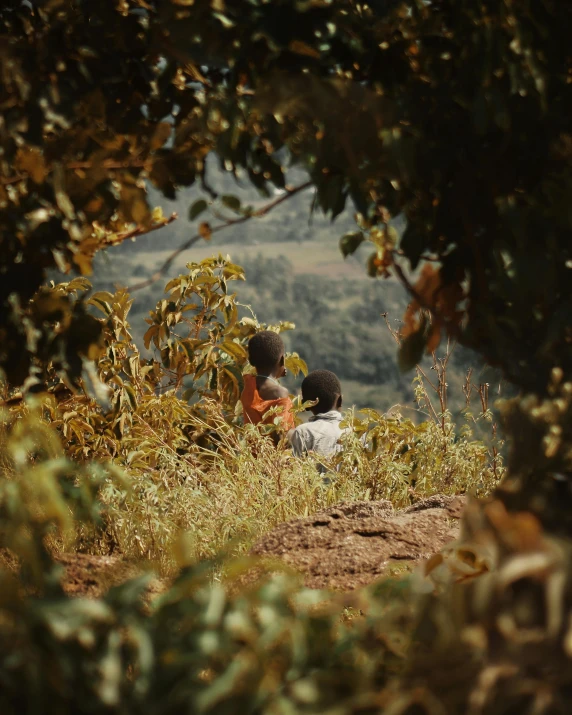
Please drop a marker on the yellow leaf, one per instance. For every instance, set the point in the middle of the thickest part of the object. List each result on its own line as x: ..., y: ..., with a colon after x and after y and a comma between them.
x: 295, y: 364
x: 83, y: 262
x: 301, y: 48
x: 149, y: 335
x: 32, y: 162
x: 160, y: 135
x: 233, y: 349
x: 134, y: 208
x: 157, y: 215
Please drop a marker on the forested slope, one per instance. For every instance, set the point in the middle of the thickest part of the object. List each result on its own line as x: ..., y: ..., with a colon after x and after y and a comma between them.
x: 295, y: 272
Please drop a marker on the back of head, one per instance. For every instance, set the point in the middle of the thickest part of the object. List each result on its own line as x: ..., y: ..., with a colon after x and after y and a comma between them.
x: 265, y: 350
x: 324, y: 386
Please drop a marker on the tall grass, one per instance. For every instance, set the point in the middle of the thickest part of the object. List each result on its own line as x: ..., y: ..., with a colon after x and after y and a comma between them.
x: 232, y: 485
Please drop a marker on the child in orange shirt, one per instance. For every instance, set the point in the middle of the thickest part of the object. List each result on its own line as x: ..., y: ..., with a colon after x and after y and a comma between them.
x: 262, y: 391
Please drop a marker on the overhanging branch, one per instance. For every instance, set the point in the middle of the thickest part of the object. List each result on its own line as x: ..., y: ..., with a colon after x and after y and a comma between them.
x: 263, y: 211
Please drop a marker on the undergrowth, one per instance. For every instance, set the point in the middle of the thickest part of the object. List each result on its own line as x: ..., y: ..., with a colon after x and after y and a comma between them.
x: 192, y: 471
x: 150, y: 461
x: 228, y: 496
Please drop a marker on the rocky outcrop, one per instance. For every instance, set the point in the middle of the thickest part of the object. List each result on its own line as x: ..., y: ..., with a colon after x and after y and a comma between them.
x: 354, y: 543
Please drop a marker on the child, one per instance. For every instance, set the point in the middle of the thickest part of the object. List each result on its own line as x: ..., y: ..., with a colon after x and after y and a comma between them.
x: 262, y: 391
x: 322, y: 433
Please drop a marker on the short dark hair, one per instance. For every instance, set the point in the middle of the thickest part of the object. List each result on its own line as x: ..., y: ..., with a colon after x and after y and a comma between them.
x: 265, y: 349
x: 324, y: 386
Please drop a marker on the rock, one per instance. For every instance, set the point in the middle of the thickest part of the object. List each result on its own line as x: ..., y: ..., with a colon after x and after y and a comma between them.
x: 354, y: 543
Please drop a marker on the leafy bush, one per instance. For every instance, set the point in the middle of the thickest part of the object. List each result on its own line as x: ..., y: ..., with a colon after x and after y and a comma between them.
x: 150, y: 459
x: 173, y: 426
x: 467, y: 638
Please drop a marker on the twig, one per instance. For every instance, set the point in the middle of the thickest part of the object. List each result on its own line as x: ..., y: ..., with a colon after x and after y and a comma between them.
x: 428, y: 403
x: 142, y: 231
x: 107, y: 164
x: 452, y: 329
x: 409, y: 287
x: 231, y: 222
x: 426, y: 377
x: 394, y: 333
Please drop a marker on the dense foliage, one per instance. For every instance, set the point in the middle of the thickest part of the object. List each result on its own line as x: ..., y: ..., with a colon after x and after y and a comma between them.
x: 490, y: 624
x: 454, y: 114
x: 172, y: 423
x: 173, y: 482
x: 339, y: 323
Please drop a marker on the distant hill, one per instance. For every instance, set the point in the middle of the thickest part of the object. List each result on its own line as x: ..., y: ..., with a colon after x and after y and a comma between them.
x: 295, y: 271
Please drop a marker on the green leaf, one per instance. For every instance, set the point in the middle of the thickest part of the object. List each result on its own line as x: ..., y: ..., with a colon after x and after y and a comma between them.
x: 197, y: 209
x: 231, y: 202
x: 234, y: 350
x: 351, y: 242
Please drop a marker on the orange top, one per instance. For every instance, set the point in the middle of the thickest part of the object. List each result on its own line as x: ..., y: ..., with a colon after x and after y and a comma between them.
x: 254, y: 407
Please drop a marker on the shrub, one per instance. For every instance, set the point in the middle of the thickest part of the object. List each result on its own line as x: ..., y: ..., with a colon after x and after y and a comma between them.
x: 152, y: 461
x: 173, y: 426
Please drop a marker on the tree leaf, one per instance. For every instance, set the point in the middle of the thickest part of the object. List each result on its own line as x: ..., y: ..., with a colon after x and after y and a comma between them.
x: 149, y: 335
x: 197, y: 209
x: 235, y: 350
x: 412, y: 347
x: 31, y: 161
x: 295, y: 364
x: 231, y: 202
x: 160, y: 135
x: 373, y: 264
x: 205, y: 231
x: 351, y: 242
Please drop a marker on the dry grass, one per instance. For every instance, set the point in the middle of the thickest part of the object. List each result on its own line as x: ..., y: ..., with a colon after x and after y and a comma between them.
x: 225, y: 495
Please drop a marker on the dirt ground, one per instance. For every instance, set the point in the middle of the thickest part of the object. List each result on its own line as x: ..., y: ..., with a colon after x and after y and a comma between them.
x: 342, y: 548
x: 89, y: 576
x: 355, y: 543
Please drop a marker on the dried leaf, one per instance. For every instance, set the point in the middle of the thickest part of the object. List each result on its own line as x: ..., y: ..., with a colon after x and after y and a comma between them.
x: 301, y: 48
x: 31, y: 161
x: 205, y: 231
x: 160, y: 135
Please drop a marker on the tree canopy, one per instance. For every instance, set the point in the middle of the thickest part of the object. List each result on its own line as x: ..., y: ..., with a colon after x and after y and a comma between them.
x: 455, y: 114
x: 452, y: 114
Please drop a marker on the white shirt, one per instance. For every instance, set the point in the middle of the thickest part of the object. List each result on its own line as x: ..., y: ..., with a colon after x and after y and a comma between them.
x: 320, y: 435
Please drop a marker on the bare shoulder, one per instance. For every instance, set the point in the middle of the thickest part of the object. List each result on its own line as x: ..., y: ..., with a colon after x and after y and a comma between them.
x: 271, y: 391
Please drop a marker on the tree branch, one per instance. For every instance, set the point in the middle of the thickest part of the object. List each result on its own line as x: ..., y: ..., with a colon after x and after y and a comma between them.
x: 452, y: 329
x: 109, y: 164
x: 142, y: 231
x: 263, y: 211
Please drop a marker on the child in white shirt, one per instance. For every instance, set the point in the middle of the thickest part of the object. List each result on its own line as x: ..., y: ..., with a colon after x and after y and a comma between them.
x: 321, y: 434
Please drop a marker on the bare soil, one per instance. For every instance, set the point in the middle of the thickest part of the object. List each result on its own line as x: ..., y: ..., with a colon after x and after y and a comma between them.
x: 342, y: 548
x: 355, y: 543
x: 89, y: 576
x: 92, y: 576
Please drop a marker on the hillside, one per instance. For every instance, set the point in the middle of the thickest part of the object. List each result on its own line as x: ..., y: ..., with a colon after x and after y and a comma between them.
x: 296, y: 272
